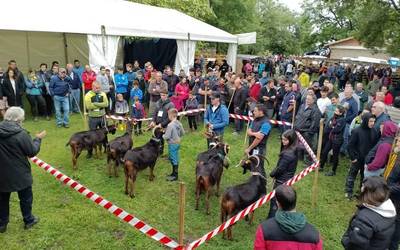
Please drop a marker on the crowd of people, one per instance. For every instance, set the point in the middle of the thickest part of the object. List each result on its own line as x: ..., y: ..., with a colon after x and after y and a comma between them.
x: 360, y: 108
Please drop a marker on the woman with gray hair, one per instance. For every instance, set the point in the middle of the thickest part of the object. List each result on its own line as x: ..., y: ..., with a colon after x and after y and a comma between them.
x: 15, y: 171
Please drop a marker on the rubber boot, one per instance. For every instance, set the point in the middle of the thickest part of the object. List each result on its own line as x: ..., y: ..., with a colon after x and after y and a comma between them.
x: 174, y: 175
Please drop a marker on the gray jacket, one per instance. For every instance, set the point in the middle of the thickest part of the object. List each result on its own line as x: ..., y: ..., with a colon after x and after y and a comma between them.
x: 105, y: 84
x: 174, y: 132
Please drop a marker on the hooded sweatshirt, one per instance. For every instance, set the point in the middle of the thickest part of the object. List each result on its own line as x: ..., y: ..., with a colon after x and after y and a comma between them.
x: 15, y: 148
x: 362, y: 140
x: 174, y: 132
x: 287, y: 230
x: 371, y: 227
x: 379, y: 155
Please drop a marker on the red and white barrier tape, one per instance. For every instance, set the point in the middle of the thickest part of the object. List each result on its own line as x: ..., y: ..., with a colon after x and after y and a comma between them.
x: 249, y: 209
x: 249, y: 118
x: 119, y: 118
x: 307, y: 147
x: 118, y: 212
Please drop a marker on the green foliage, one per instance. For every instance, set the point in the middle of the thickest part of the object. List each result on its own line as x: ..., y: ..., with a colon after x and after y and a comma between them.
x: 196, y: 8
x: 374, y: 22
x: 330, y: 20
x: 379, y: 25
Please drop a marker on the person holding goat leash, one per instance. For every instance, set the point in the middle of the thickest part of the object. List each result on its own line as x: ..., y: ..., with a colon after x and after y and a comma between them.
x: 258, y: 134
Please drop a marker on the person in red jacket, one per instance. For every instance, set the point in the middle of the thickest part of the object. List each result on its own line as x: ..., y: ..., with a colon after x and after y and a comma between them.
x: 88, y: 77
x: 254, y: 88
x: 288, y: 230
x: 388, y: 96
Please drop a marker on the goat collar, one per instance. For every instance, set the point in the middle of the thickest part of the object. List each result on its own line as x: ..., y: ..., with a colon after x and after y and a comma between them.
x: 221, y: 156
x: 155, y: 139
x: 258, y: 174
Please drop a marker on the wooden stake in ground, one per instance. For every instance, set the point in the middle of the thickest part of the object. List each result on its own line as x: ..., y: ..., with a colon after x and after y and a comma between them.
x: 85, y: 120
x: 315, y: 183
x: 182, y: 191
x: 294, y: 111
x: 230, y: 101
x: 245, y: 136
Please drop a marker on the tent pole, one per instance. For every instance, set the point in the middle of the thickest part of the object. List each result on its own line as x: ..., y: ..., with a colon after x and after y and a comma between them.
x: 65, y: 49
x: 188, y: 55
x: 28, y: 52
x: 103, y: 39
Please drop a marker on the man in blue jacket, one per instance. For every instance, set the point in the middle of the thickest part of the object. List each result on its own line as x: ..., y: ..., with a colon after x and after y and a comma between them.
x: 351, y: 106
x: 59, y: 90
x: 216, y: 117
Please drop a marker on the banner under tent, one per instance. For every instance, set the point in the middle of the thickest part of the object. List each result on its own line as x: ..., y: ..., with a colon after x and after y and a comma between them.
x: 92, y: 33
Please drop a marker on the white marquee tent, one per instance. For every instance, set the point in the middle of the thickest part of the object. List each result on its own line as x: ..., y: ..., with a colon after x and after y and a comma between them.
x: 47, y: 30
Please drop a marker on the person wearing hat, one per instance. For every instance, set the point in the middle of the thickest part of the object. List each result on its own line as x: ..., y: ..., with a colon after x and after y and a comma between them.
x: 216, y: 117
x: 160, y: 114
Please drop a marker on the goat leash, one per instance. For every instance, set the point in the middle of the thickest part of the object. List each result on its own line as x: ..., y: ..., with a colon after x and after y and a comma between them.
x: 258, y: 174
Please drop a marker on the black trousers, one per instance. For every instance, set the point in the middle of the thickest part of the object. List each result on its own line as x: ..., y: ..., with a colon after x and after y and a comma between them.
x: 49, y: 105
x: 96, y: 122
x: 302, y: 152
x: 38, y: 104
x: 25, y: 202
x: 192, y: 122
x: 355, y: 168
x: 329, y: 145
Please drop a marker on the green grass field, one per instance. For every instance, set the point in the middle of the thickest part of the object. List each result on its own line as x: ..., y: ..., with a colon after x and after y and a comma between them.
x: 70, y: 221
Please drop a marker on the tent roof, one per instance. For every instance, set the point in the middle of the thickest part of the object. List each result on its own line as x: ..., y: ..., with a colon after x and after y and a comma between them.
x: 121, y: 18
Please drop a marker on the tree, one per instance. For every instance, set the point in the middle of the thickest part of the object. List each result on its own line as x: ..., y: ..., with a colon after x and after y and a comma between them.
x: 279, y: 30
x: 376, y: 23
x: 199, y: 9
x: 330, y: 20
x: 379, y: 25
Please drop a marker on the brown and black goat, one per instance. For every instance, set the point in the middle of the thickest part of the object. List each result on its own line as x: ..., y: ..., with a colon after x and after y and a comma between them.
x: 241, y: 196
x: 140, y: 158
x: 89, y: 140
x: 209, y: 168
x: 117, y: 148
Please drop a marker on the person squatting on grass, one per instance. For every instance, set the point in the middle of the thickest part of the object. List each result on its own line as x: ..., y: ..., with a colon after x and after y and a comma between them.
x: 173, y: 135
x: 15, y: 171
x: 288, y: 229
x: 372, y: 226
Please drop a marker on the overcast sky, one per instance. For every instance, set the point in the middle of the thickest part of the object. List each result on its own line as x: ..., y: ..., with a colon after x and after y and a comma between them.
x: 293, y: 4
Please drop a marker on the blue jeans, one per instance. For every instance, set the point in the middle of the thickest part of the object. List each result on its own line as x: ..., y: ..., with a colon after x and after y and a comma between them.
x: 368, y: 173
x: 74, y: 100
x: 173, y: 153
x: 346, y: 136
x: 61, y: 103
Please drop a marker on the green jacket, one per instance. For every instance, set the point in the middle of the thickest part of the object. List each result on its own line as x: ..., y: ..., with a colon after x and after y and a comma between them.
x: 96, y: 103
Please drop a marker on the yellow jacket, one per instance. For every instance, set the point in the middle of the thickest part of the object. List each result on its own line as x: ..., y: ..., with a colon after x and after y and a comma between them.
x: 304, y: 79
